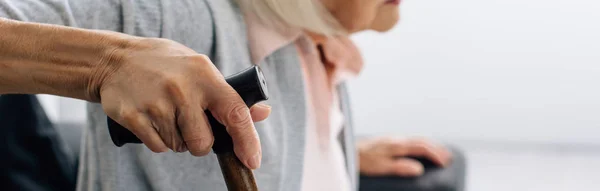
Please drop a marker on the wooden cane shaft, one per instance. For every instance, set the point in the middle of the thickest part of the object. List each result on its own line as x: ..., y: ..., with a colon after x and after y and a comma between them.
x: 237, y: 176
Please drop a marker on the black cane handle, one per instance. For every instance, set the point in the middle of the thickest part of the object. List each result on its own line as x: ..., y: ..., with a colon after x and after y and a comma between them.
x: 249, y: 84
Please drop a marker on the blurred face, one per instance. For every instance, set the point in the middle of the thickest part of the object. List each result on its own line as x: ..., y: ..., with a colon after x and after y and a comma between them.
x: 358, y: 15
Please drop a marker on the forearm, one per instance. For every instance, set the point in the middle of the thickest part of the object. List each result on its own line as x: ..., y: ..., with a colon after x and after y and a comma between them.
x: 48, y: 59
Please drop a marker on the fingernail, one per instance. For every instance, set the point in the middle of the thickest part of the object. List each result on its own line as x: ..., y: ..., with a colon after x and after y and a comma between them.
x: 447, y: 158
x: 264, y: 106
x: 448, y: 161
x: 418, y: 169
x: 254, y: 162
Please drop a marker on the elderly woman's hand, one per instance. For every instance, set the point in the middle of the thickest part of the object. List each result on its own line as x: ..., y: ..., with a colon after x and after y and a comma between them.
x: 388, y: 156
x: 158, y: 89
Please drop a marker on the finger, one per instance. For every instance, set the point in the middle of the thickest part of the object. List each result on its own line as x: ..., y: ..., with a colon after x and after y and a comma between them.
x: 446, y: 155
x: 190, y: 118
x: 418, y: 148
x: 230, y: 110
x: 162, y: 115
x: 140, y: 125
x: 195, y: 130
x: 406, y: 167
x: 260, y: 112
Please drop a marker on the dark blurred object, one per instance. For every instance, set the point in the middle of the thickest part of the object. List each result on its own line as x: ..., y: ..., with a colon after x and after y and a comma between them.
x: 33, y: 155
x: 451, y: 178
x: 70, y: 133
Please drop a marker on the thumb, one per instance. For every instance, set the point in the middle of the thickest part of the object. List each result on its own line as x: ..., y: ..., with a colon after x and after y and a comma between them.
x: 230, y: 110
x: 260, y: 112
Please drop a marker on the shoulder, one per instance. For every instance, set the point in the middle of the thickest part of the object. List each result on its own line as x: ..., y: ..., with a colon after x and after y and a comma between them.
x: 186, y: 21
x: 134, y: 17
x: 207, y: 26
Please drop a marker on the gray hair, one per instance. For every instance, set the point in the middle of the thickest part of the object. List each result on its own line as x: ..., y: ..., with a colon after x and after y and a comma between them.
x: 308, y: 15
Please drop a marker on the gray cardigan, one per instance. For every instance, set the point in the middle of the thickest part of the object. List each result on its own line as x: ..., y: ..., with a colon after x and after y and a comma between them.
x: 212, y: 27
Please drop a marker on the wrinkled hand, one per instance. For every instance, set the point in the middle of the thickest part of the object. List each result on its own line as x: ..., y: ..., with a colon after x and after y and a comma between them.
x: 387, y: 156
x: 159, y: 89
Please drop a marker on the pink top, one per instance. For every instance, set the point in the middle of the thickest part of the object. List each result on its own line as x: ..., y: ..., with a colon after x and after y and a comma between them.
x: 324, y: 163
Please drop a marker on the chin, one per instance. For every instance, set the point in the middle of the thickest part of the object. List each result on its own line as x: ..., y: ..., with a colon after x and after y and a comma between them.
x: 385, y: 20
x: 384, y: 27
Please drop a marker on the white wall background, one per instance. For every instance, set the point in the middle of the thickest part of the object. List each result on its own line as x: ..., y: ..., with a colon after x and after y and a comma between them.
x: 494, y: 70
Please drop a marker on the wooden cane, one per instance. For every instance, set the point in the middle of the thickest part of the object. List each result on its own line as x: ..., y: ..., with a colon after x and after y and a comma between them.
x: 251, y: 86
